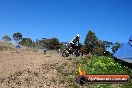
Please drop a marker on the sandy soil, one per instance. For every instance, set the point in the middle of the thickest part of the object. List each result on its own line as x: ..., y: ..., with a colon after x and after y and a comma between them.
x: 27, y: 68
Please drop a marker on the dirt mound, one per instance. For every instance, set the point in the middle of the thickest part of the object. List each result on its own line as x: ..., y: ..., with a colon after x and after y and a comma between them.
x: 27, y: 67
x: 30, y: 68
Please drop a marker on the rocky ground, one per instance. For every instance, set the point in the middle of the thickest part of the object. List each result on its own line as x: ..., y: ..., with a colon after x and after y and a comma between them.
x: 30, y: 68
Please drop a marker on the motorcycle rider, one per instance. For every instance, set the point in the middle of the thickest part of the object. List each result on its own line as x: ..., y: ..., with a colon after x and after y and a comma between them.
x: 75, y: 42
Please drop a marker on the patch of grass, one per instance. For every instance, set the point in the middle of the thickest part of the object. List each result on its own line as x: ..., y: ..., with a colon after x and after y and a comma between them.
x: 104, y: 65
x: 100, y: 65
x: 5, y: 46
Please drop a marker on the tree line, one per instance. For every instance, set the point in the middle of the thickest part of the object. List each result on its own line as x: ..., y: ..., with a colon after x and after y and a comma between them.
x: 91, y: 44
x: 51, y: 44
x: 96, y: 46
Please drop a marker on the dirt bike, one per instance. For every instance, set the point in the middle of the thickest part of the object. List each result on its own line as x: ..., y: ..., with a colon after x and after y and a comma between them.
x: 65, y: 53
x: 68, y: 52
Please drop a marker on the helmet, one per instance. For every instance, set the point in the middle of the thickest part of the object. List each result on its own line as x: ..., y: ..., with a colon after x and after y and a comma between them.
x: 78, y: 35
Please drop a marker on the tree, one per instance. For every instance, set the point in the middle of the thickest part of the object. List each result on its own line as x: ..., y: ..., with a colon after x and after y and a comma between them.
x: 107, y: 44
x: 51, y: 44
x: 17, y: 36
x: 26, y: 42
x: 116, y: 46
x: 54, y: 43
x: 90, y: 42
x: 100, y: 48
x: 44, y: 43
x: 6, y: 38
x: 93, y: 45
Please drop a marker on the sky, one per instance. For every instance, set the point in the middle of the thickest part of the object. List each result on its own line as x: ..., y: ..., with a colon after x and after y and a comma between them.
x: 110, y: 20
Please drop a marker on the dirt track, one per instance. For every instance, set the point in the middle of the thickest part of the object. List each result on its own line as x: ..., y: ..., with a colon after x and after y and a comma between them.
x: 27, y: 68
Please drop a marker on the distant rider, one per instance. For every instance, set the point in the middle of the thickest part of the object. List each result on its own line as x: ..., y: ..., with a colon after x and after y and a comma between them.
x: 45, y: 50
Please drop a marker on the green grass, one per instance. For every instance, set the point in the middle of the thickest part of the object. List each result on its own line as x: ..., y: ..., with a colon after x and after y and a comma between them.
x: 5, y: 44
x: 103, y: 65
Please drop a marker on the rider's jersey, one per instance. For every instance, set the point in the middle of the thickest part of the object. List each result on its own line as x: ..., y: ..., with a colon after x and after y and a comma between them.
x: 75, y: 40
